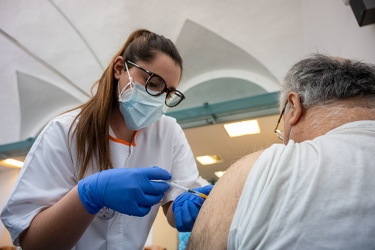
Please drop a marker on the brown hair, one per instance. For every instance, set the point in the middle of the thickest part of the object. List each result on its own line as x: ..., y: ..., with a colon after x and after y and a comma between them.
x: 93, y: 120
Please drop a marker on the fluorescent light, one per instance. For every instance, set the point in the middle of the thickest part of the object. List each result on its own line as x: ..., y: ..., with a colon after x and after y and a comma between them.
x: 219, y: 173
x: 208, y: 159
x: 248, y: 127
x: 12, y: 163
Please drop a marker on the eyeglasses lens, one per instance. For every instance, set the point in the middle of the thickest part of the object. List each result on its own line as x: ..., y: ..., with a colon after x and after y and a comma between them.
x: 173, y: 98
x: 280, y: 134
x: 155, y: 85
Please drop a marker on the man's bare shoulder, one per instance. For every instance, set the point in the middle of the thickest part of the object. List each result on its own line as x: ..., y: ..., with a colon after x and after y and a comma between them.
x: 215, y: 217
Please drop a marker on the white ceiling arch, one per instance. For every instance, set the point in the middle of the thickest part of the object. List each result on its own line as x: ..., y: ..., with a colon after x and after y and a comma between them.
x: 252, y: 40
x: 270, y: 85
x: 40, y: 101
x: 208, y: 55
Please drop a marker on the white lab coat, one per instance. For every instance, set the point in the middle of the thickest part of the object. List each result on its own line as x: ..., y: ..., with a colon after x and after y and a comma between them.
x: 51, y: 168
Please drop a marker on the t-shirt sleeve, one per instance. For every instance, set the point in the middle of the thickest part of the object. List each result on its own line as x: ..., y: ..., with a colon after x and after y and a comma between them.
x: 47, y: 175
x: 184, y: 168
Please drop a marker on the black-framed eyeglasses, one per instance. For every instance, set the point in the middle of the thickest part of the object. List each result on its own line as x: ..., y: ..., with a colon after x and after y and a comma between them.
x: 279, y: 133
x: 155, y: 86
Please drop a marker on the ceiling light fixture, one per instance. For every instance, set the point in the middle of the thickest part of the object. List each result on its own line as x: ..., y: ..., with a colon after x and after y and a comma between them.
x: 248, y: 127
x: 219, y: 173
x: 11, y: 163
x: 208, y: 159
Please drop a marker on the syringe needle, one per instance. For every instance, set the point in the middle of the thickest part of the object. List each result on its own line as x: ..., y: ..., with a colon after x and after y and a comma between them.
x: 198, y: 193
x: 173, y: 184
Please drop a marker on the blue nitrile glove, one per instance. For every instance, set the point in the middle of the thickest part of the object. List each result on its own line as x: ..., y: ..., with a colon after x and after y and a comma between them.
x: 186, y: 208
x: 125, y: 190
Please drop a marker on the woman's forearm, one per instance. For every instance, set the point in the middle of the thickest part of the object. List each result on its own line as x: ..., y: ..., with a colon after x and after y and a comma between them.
x: 59, y: 226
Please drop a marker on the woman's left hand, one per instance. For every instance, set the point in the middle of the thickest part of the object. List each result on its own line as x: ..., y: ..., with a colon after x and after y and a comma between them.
x: 186, y: 208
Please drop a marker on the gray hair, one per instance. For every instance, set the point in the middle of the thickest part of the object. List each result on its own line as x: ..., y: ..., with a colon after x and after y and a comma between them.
x: 320, y: 79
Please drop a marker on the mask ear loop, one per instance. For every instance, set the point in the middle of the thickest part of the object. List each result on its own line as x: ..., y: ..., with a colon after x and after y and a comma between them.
x: 130, y: 81
x: 127, y: 70
x: 291, y: 129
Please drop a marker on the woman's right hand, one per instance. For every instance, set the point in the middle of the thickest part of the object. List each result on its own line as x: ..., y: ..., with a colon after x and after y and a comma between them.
x: 125, y: 190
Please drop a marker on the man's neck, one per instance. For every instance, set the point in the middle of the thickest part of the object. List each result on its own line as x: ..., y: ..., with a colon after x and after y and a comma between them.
x: 318, y: 120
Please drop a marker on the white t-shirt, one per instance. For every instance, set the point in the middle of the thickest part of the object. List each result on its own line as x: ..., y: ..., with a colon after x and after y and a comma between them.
x: 318, y: 194
x: 51, y: 168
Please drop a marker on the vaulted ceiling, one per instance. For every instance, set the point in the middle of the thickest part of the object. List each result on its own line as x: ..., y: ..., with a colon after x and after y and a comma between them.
x: 235, y: 54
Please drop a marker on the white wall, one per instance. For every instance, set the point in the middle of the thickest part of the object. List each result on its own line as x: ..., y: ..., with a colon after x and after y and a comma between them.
x: 330, y: 26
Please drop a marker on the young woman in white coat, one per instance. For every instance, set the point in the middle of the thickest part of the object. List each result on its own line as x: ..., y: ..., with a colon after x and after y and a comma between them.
x: 88, y: 180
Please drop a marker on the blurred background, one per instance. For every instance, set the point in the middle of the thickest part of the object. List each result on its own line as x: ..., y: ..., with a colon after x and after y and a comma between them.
x: 235, y: 56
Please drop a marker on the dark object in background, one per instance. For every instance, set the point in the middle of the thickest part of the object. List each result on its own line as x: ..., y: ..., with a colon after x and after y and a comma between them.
x: 364, y: 11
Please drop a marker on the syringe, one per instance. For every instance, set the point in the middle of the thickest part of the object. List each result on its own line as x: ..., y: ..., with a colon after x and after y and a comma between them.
x: 174, y: 184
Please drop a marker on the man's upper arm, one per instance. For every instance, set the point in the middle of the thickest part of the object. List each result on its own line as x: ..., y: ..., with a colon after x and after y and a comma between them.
x: 211, y: 228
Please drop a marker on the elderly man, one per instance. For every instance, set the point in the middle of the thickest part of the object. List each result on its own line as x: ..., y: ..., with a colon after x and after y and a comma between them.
x: 315, y: 191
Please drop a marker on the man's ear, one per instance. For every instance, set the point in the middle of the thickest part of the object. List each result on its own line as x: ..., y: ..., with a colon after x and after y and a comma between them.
x: 118, y: 67
x: 295, y: 108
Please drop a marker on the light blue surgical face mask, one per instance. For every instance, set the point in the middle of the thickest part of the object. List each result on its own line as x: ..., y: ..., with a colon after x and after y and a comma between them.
x: 138, y: 108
